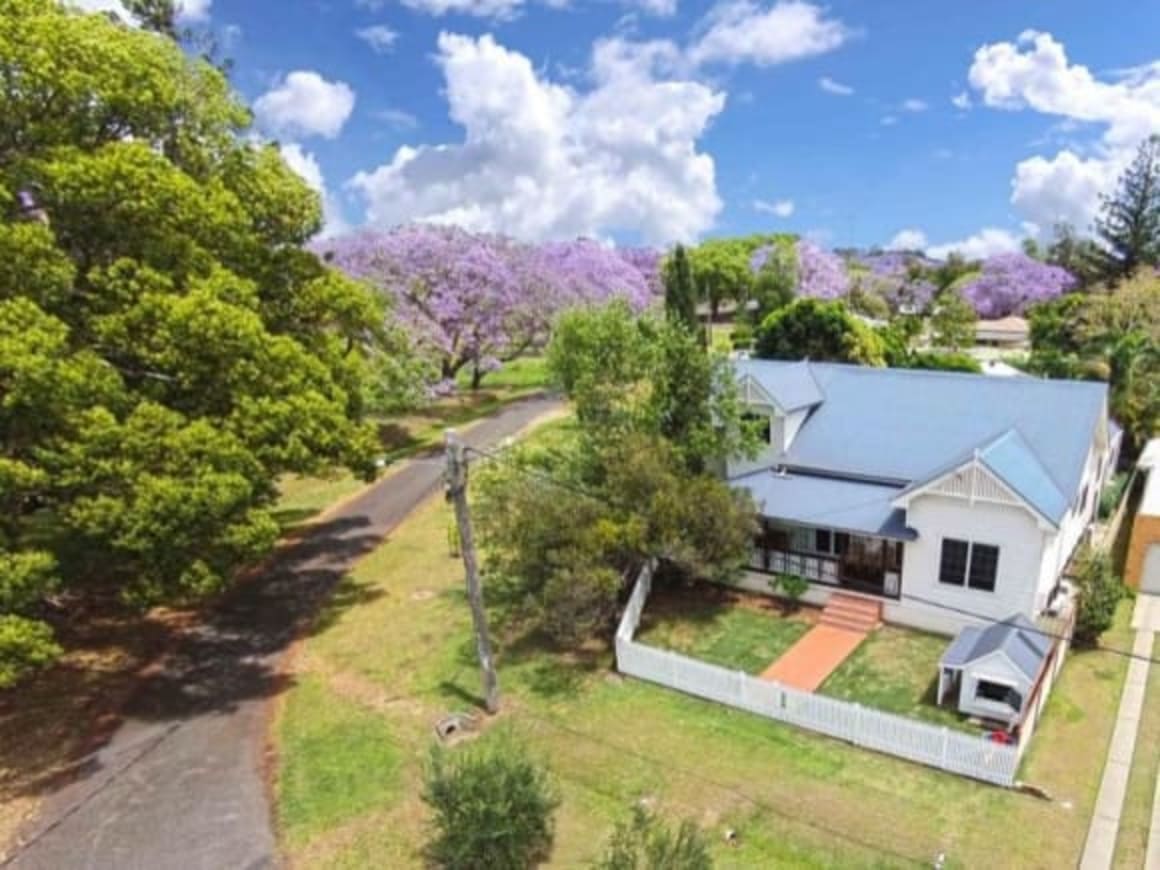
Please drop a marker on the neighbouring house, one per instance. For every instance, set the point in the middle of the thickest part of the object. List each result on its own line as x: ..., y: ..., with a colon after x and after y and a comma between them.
x: 991, y: 672
x: 1142, y: 563
x: 952, y: 499
x: 1010, y: 333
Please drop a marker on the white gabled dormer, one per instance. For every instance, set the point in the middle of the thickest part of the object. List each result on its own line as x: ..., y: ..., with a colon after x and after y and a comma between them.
x: 779, y: 400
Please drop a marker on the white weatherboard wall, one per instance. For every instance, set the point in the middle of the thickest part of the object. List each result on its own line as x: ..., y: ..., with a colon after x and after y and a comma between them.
x: 1012, y: 529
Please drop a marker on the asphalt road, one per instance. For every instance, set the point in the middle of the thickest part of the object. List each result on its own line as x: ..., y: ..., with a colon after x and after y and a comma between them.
x: 181, y: 783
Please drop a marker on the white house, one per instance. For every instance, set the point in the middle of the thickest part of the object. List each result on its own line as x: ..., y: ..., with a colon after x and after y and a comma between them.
x: 953, y: 499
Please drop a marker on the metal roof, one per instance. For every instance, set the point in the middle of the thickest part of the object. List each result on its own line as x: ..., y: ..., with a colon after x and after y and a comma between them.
x: 844, y: 505
x: 903, y: 425
x: 1017, y: 637
x: 1013, y: 461
x: 792, y: 385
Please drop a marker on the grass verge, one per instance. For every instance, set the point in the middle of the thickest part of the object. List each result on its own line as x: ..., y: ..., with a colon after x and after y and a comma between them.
x: 796, y: 799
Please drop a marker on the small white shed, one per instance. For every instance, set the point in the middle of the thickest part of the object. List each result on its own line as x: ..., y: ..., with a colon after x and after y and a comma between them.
x: 992, y: 670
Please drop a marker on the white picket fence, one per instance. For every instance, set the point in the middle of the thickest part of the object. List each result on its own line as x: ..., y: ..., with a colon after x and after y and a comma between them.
x: 911, y: 739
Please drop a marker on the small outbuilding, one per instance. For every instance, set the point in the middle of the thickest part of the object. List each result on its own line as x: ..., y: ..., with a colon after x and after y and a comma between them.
x: 992, y: 670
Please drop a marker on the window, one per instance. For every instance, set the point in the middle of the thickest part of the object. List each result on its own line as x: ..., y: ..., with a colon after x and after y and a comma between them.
x: 984, y: 566
x: 822, y: 540
x: 762, y: 424
x: 985, y: 690
x: 952, y: 567
x: 841, y: 543
x: 803, y: 540
x: 973, y: 565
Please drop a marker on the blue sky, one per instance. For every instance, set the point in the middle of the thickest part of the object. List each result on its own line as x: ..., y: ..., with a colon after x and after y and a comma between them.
x: 659, y: 119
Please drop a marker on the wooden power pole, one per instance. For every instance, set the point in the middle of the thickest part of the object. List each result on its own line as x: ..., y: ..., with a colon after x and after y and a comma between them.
x: 457, y: 493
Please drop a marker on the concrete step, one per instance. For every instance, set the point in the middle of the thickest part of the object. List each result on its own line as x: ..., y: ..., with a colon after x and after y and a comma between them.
x: 859, y: 626
x: 852, y: 613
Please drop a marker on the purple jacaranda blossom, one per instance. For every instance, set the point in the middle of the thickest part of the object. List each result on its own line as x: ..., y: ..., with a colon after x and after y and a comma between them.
x: 821, y: 273
x: 1010, y: 283
x: 476, y: 298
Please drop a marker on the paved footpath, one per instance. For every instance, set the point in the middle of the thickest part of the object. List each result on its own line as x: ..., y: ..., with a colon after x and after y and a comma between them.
x: 1100, y: 847
x: 181, y: 784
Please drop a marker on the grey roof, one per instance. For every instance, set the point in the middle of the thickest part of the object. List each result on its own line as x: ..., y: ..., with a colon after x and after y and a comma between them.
x: 903, y: 425
x: 845, y: 505
x: 792, y: 385
x: 1016, y: 636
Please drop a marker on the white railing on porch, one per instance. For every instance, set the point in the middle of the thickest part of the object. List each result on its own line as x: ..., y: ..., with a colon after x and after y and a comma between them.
x: 935, y: 746
x: 819, y: 569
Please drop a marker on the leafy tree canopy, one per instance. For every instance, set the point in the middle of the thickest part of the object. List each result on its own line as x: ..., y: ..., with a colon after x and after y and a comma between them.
x: 1129, y: 223
x: 821, y: 331
x: 167, y: 349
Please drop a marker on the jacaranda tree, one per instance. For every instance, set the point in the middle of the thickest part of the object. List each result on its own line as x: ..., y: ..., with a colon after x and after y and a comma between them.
x: 478, y: 299
x: 167, y: 349
x: 1010, y: 283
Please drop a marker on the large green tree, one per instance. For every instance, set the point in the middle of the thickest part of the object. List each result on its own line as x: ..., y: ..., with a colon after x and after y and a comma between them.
x: 1129, y: 223
x: 819, y: 331
x: 167, y: 348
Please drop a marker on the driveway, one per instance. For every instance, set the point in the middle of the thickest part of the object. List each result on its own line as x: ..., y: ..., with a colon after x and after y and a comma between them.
x: 181, y: 784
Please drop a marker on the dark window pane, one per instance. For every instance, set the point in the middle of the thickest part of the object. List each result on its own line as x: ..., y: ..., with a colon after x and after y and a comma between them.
x: 998, y: 692
x: 841, y: 543
x: 952, y: 567
x: 984, y: 565
x: 822, y: 540
x: 894, y: 556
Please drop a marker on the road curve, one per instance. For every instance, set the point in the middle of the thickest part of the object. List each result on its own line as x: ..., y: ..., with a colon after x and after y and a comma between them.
x: 181, y: 783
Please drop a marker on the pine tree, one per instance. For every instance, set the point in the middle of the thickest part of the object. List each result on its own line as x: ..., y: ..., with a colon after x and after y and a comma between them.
x: 1130, y: 221
x: 680, y: 292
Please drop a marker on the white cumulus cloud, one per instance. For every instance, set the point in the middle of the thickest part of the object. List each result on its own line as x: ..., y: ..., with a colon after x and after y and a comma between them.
x: 961, y: 100
x: 188, y: 11
x: 914, y: 105
x: 1034, y: 73
x: 740, y: 31
x: 379, y: 37
x: 830, y: 86
x: 504, y: 9
x: 305, y: 104
x: 540, y: 159
x: 984, y: 243
x: 306, y: 166
x: 781, y: 208
x: 907, y: 240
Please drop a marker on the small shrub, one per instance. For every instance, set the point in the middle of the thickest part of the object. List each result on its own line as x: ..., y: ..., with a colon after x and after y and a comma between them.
x: 645, y: 843
x: 1110, y: 497
x: 492, y: 807
x: 790, y: 586
x: 1100, y: 590
x: 742, y: 336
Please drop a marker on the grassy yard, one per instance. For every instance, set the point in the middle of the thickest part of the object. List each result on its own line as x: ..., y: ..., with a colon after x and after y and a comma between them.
x: 722, y: 626
x: 896, y: 670
x: 394, y: 653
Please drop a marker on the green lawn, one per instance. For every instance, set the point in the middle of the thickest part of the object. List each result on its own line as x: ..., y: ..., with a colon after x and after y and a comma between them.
x: 896, y: 670
x: 721, y: 626
x: 524, y: 373
x: 393, y: 653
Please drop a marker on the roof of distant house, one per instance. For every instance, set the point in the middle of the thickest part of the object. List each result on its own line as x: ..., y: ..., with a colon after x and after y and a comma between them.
x: 905, y: 426
x: 1017, y: 637
x: 1012, y: 325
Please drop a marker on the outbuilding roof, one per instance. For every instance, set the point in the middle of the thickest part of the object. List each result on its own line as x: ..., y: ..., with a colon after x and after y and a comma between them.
x: 1016, y: 637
